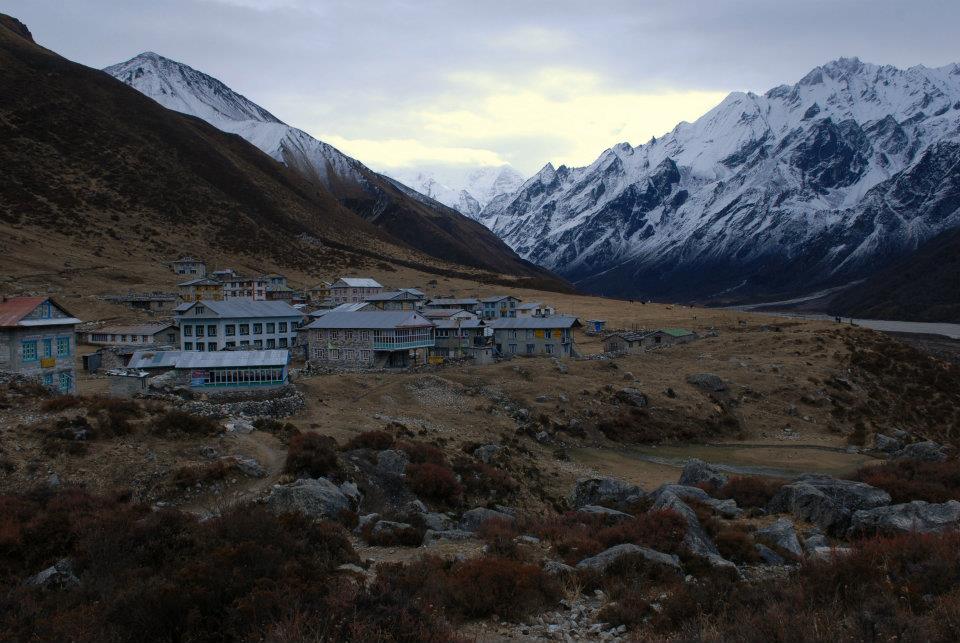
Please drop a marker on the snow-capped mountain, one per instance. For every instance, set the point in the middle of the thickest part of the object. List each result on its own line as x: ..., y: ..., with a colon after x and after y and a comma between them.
x: 465, y: 189
x: 808, y: 185
x: 408, y: 216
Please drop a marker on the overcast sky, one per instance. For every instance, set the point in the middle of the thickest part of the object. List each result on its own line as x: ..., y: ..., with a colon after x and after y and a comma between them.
x: 405, y: 82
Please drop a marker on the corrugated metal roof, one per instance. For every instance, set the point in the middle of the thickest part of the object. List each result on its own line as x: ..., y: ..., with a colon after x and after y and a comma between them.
x: 358, y: 282
x: 459, y: 323
x: 676, y: 332
x: 402, y: 295
x: 201, y: 281
x: 215, y: 359
x: 13, y: 310
x: 141, y: 329
x: 370, y: 320
x: 554, y: 321
x: 496, y: 298
x: 533, y: 305
x: 242, y: 308
x: 444, y: 302
x: 342, y: 308
x: 440, y: 313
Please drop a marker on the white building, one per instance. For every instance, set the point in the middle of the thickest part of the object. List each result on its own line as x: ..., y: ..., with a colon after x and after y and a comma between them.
x: 237, y: 323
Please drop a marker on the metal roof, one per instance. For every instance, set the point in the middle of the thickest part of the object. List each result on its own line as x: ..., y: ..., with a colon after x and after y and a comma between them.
x: 214, y: 359
x: 444, y: 302
x: 473, y: 322
x: 368, y: 320
x: 440, y: 313
x: 496, y: 298
x: 402, y: 295
x: 358, y: 282
x: 532, y: 305
x: 135, y: 329
x: 242, y: 308
x: 342, y: 308
x: 554, y: 321
x: 201, y: 281
x: 13, y: 311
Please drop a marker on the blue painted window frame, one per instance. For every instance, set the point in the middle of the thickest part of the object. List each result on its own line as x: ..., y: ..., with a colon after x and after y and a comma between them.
x: 48, y: 347
x: 63, y: 347
x: 30, y: 344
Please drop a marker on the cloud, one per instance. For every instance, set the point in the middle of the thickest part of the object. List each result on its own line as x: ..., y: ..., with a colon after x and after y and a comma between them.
x: 384, y: 154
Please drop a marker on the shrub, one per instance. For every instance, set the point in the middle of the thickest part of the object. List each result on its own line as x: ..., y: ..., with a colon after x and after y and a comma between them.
x: 490, y: 585
x: 422, y: 453
x: 484, y: 480
x: 127, y: 409
x: 283, y: 430
x: 434, y: 482
x: 61, y: 403
x: 405, y: 537
x: 750, y: 491
x: 311, y: 454
x: 500, y: 536
x: 189, y: 476
x: 376, y: 440
x: 907, y: 480
x: 173, y: 423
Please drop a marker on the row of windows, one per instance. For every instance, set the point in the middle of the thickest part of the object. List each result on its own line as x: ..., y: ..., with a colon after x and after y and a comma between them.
x: 464, y: 332
x: 105, y: 337
x: 63, y: 380
x: 230, y: 330
x: 346, y: 354
x: 547, y: 333
x: 348, y: 335
x: 33, y: 349
x: 257, y: 344
x: 242, y: 376
x: 549, y: 349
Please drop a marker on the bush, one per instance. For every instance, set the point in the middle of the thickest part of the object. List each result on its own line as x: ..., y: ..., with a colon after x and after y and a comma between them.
x: 174, y: 423
x: 311, y: 454
x: 376, y: 440
x: 61, y: 403
x: 283, y: 430
x: 189, y: 476
x: 490, y: 585
x: 500, y: 536
x: 907, y: 480
x: 406, y: 537
x: 422, y: 453
x: 483, y: 480
x: 434, y: 482
x: 750, y: 491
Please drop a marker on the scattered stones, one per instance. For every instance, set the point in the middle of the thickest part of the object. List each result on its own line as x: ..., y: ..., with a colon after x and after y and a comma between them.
x: 317, y: 498
x: 486, y: 453
x: 432, y: 536
x: 826, y: 501
x: 239, y: 425
x: 631, y: 397
x: 928, y: 451
x: 707, y: 382
x: 917, y: 516
x: 248, y: 466
x: 59, y: 576
x: 393, y: 461
x: 602, y: 490
x: 473, y: 519
x: 606, y: 558
x: 781, y: 534
x: 698, y: 472
x: 542, y: 399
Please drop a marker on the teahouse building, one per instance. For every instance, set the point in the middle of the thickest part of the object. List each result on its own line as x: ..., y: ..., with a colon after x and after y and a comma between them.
x: 230, y: 370
x: 189, y: 266
x: 224, y: 325
x: 552, y: 335
x: 353, y: 289
x: 37, y: 340
x: 368, y: 339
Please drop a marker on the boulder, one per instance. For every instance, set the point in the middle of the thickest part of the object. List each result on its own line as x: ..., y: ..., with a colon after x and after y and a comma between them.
x: 392, y: 461
x: 317, y: 498
x: 631, y: 397
x: 602, y: 490
x: 556, y: 568
x: 825, y: 501
x: 366, y: 520
x: 486, y: 452
x: 707, y: 382
x: 437, y: 521
x: 696, y: 538
x: 698, y: 472
x: 608, y: 557
x: 781, y: 534
x: 353, y: 494
x: 830, y: 553
x: 814, y: 542
x: 768, y: 556
x: 431, y: 536
x: 472, y: 520
x: 919, y: 516
x: 389, y: 527
x: 925, y: 451
x: 606, y: 512
x: 886, y: 444
x: 59, y: 575
x: 249, y: 467
x: 416, y: 507
x: 726, y: 508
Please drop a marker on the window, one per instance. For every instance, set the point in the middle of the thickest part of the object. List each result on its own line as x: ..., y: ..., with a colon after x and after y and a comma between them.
x: 230, y: 344
x: 199, y: 331
x: 282, y: 327
x: 201, y: 347
x: 294, y: 325
x: 531, y: 348
x: 144, y: 338
x: 63, y: 346
x: 334, y: 353
x: 334, y: 334
x: 529, y: 333
x: 548, y: 349
x: 283, y: 342
x: 244, y: 343
x: 188, y: 346
x: 271, y: 328
x: 211, y: 346
x: 48, y: 379
x: 230, y: 330
x: 365, y: 335
x: 349, y: 355
x: 365, y: 355
x: 512, y: 348
x: 29, y: 350
x: 65, y: 382
x: 548, y: 334
x: 271, y: 343
x: 258, y: 329
x: 188, y: 331
x: 319, y: 353
x: 244, y: 329
x: 199, y: 310
x: 211, y: 331
x: 258, y: 343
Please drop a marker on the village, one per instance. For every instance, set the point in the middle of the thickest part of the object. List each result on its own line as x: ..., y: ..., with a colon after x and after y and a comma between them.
x: 222, y: 332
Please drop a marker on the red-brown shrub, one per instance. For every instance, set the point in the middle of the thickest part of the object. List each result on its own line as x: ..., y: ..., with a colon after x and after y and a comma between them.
x: 376, y: 440
x: 907, y: 480
x: 311, y: 454
x: 483, y: 480
x: 61, y: 403
x: 500, y: 536
x: 421, y: 452
x: 661, y: 530
x: 434, y: 482
x: 490, y: 585
x: 177, y: 422
x: 750, y: 491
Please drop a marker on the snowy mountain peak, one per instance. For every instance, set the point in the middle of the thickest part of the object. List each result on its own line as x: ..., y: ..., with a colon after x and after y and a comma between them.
x: 464, y: 188
x: 183, y: 89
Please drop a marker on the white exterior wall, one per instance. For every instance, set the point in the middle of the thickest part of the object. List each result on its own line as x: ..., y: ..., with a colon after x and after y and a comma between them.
x: 219, y: 341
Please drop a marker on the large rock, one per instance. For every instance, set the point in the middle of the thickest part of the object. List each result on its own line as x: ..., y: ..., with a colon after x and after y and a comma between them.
x: 472, y: 520
x: 768, y: 556
x: 726, y: 508
x: 886, y: 444
x: 606, y: 512
x: 696, y: 538
x: 486, y: 453
x: 393, y: 461
x: 781, y: 534
x: 708, y: 382
x: 389, y: 528
x: 431, y: 537
x: 608, y: 557
x: 60, y: 575
x: 698, y: 472
x: 913, y: 516
x: 827, y: 502
x: 926, y: 451
x: 436, y: 521
x: 631, y: 397
x: 604, y: 491
x: 317, y: 498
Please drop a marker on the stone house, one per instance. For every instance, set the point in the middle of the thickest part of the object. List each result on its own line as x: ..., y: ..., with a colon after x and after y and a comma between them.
x: 203, y: 288
x: 406, y: 299
x: 460, y: 337
x: 145, y: 335
x: 151, y: 302
x: 240, y: 287
x: 37, y: 340
x: 319, y: 293
x: 281, y: 293
x: 348, y: 290
x: 434, y: 314
x: 189, y: 266
x: 499, y: 307
x: 468, y: 304
x: 535, y: 309
x: 208, y: 326
x: 642, y: 340
x: 228, y: 370
x: 552, y: 335
x: 368, y: 339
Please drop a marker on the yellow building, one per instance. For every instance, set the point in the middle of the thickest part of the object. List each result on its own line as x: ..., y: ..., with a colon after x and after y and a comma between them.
x: 203, y: 288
